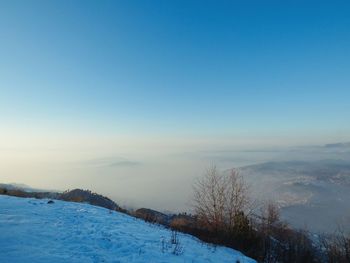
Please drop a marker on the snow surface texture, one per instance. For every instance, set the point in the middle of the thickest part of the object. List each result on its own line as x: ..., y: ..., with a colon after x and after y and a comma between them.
x: 34, y: 231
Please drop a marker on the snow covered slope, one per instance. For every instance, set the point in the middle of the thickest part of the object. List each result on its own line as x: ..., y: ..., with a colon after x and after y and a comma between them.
x: 34, y: 231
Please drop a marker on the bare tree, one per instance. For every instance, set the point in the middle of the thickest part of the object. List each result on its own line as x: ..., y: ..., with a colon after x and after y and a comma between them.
x: 208, y: 198
x: 270, y: 213
x: 236, y: 197
x: 220, y: 199
x: 336, y: 246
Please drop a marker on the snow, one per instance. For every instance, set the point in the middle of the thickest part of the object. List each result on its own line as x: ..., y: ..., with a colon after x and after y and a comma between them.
x: 31, y: 230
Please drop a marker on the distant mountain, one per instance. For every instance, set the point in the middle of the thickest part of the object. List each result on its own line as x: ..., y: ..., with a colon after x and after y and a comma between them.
x: 75, y: 195
x: 330, y: 170
x: 86, y: 196
x: 24, y: 187
x: 305, y: 190
x: 338, y: 145
x: 15, y: 186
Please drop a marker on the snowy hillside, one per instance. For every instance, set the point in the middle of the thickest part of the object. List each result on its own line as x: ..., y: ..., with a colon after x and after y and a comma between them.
x: 34, y: 231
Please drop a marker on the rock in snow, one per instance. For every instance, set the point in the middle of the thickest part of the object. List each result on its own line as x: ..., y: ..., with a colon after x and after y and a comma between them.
x: 33, y: 231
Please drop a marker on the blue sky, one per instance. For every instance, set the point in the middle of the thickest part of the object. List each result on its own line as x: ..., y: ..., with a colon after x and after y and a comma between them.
x: 172, y: 86
x: 168, y: 68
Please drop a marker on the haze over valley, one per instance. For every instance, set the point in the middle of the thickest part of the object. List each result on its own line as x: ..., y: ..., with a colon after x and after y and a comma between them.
x: 307, y: 182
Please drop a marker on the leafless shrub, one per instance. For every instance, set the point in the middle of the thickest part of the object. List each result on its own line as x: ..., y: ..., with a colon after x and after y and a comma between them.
x: 270, y: 217
x: 173, y: 245
x: 336, y: 247
x: 219, y: 199
x: 178, y: 249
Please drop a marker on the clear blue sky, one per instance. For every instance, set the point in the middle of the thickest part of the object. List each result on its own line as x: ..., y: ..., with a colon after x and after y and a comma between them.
x: 176, y: 67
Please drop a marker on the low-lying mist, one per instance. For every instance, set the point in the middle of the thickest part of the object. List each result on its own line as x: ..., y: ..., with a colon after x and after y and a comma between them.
x: 163, y: 180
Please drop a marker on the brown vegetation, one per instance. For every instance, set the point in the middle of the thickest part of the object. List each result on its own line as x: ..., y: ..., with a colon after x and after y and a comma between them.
x: 152, y: 216
x: 336, y: 247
